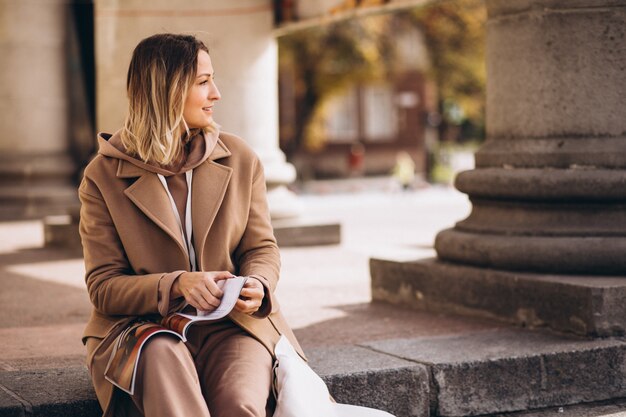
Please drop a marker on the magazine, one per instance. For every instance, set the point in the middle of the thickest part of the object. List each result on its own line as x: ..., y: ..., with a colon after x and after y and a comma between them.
x: 122, y: 366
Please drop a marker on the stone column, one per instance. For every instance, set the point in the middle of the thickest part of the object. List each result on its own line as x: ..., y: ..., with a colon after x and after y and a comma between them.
x: 549, y: 188
x: 244, y: 54
x: 36, y: 167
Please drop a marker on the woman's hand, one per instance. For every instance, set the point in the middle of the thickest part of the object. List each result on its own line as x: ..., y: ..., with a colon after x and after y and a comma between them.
x: 200, y: 289
x: 251, y: 296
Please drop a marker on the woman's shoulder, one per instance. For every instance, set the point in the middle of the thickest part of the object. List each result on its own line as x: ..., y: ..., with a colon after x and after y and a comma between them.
x: 237, y: 146
x: 100, y: 166
x: 103, y: 163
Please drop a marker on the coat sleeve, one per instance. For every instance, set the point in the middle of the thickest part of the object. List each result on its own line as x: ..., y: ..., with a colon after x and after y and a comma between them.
x: 257, y: 254
x: 112, y: 286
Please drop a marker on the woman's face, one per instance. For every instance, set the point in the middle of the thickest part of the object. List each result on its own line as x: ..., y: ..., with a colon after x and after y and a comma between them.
x: 202, y: 95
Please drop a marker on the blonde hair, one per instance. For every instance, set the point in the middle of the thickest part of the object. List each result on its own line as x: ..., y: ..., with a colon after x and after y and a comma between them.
x: 162, y: 69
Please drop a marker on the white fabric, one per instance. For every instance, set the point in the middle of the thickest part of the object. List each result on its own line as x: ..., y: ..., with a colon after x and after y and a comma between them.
x: 300, y: 392
x: 188, y: 227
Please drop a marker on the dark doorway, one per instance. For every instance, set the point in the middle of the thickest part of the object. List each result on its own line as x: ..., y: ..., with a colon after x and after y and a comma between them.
x: 81, y: 81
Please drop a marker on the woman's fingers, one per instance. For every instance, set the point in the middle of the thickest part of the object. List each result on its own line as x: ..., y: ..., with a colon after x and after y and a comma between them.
x: 252, y: 289
x: 199, y: 303
x: 212, y: 287
x: 202, y: 291
x: 250, y: 297
x: 202, y: 299
x: 247, y: 306
x: 254, y: 293
x: 212, y: 301
x: 221, y: 275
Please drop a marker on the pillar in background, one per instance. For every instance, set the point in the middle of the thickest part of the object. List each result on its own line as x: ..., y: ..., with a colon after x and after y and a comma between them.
x: 36, y: 166
x: 548, y: 191
x: 545, y: 242
x: 244, y: 54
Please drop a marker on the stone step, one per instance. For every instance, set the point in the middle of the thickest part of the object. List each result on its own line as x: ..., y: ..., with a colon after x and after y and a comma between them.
x: 61, y: 231
x: 37, y: 201
x: 513, y: 369
x: 492, y: 372
x: 613, y: 408
x: 32, y: 169
x: 306, y: 232
x: 47, y: 393
x: 353, y: 374
x: 586, y: 305
x: 38, y: 193
x: 361, y: 376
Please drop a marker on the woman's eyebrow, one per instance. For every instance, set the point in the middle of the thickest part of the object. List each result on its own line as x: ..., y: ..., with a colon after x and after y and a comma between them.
x: 206, y: 74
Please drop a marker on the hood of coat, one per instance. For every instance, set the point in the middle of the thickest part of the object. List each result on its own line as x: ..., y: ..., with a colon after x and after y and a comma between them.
x: 197, y: 150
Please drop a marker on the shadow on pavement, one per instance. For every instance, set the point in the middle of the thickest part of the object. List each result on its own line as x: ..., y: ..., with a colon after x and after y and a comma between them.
x: 35, y: 255
x: 376, y: 321
x: 26, y: 302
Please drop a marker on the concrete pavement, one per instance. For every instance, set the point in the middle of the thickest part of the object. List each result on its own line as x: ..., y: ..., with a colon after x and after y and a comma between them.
x: 324, y: 290
x: 411, y: 363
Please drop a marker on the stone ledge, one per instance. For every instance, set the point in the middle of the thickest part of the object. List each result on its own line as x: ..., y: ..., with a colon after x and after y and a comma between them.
x: 613, y: 408
x: 512, y: 369
x: 355, y: 375
x: 361, y: 373
x: 61, y: 231
x: 306, y: 232
x: 490, y: 372
x: 48, y: 393
x: 586, y: 305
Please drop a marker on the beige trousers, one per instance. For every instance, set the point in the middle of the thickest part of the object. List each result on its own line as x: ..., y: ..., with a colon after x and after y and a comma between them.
x: 221, y: 371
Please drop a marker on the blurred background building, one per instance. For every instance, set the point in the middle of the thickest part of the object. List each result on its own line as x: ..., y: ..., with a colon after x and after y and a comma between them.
x: 355, y: 93
x: 360, y: 81
x: 359, y: 126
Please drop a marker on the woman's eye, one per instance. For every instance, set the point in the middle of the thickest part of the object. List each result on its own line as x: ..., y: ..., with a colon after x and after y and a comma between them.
x: 204, y: 82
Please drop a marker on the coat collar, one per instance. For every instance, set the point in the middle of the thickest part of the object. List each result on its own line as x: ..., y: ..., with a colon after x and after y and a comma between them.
x: 209, y: 184
x: 126, y: 169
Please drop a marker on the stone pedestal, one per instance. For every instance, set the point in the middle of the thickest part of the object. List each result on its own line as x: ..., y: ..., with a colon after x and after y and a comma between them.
x: 292, y: 232
x: 244, y: 54
x: 61, y: 231
x: 36, y: 167
x: 549, y: 188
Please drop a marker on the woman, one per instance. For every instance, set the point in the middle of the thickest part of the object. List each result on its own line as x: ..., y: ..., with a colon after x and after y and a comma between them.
x: 170, y: 207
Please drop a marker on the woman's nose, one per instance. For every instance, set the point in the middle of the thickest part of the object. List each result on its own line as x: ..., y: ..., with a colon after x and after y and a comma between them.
x: 214, y: 93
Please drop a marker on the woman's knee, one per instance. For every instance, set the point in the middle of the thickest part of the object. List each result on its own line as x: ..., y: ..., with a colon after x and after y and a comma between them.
x: 164, y: 350
x: 233, y: 405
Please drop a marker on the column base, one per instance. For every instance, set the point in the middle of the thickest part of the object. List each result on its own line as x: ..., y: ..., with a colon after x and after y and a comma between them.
x: 34, y: 186
x: 61, y: 231
x: 586, y: 305
x: 283, y: 203
x: 580, y: 255
x: 302, y: 232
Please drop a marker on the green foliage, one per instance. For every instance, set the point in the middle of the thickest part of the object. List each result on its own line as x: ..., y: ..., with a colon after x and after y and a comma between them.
x: 337, y: 54
x: 326, y: 59
x: 329, y: 58
x: 454, y: 32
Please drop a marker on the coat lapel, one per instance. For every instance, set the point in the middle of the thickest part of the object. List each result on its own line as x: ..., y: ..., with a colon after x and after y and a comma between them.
x: 148, y: 194
x: 209, y: 184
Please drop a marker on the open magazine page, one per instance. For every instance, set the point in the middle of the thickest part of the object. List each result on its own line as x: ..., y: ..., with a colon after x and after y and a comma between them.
x: 232, y: 288
x: 122, y: 367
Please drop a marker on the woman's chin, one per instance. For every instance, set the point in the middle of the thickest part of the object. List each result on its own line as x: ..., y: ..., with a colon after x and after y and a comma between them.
x: 201, y: 125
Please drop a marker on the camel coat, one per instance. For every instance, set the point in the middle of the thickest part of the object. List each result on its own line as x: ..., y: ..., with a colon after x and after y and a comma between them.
x: 134, y: 249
